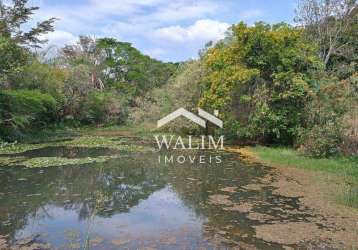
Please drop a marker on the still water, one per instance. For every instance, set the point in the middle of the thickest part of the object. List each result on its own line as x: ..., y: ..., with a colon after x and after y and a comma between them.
x: 135, y: 202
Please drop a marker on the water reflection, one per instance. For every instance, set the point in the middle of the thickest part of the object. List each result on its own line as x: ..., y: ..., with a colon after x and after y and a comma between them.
x: 132, y: 202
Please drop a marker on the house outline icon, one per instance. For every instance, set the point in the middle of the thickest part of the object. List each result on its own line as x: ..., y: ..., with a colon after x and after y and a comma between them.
x: 192, y: 117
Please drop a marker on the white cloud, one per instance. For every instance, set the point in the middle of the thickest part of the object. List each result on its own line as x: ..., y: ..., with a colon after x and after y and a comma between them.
x: 59, y: 38
x: 204, y: 30
x: 160, y: 28
x: 93, y: 13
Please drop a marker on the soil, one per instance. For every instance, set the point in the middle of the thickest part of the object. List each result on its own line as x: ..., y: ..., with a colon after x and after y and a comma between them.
x: 330, y: 222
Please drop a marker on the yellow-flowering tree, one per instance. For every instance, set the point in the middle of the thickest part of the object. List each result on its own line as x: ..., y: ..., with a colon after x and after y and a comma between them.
x: 259, y: 78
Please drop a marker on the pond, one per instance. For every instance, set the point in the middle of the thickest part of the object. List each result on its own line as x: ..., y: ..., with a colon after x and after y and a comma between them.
x: 136, y: 202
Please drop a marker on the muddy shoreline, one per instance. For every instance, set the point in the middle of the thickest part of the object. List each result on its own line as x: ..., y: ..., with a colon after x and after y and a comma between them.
x: 331, y: 225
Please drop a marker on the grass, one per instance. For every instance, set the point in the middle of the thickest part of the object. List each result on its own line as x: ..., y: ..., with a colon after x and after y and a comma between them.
x: 345, y: 168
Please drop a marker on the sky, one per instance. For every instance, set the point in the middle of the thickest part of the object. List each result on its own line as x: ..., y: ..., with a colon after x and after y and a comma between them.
x: 168, y: 30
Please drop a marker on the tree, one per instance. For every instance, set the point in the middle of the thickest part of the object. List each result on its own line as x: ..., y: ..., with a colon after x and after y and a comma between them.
x: 13, y: 41
x: 17, y: 14
x: 86, y: 52
x: 182, y: 90
x: 130, y: 70
x: 12, y: 58
x: 259, y: 80
x: 76, y: 87
x: 326, y: 22
x: 117, y: 64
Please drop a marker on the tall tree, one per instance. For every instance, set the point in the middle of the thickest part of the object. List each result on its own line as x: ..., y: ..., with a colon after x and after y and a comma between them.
x: 86, y: 52
x: 259, y: 80
x: 326, y: 22
x: 129, y: 69
x: 14, y: 15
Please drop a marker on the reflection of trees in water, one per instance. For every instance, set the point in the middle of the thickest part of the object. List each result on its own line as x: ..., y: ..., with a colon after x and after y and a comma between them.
x: 29, y: 194
x: 194, y: 184
x: 104, y: 189
x: 224, y: 228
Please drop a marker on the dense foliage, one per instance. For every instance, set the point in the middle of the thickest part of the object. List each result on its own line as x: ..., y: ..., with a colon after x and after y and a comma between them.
x: 277, y: 84
x: 272, y: 84
x: 182, y: 90
x: 94, y: 81
x: 260, y: 77
x: 24, y: 109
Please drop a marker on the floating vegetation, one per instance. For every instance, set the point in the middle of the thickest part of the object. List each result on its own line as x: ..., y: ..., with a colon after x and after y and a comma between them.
x: 13, y: 148
x: 229, y: 189
x: 220, y: 199
x: 242, y: 208
x: 260, y: 217
x: 46, y: 154
x: 120, y: 242
x: 107, y: 142
x: 253, y: 187
x: 83, y: 141
x: 42, y: 162
x: 95, y: 241
x: 29, y: 243
x: 6, y: 160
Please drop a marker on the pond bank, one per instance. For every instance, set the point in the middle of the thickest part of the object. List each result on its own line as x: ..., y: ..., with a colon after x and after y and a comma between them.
x: 343, y: 171
x: 318, y: 191
x: 240, y: 203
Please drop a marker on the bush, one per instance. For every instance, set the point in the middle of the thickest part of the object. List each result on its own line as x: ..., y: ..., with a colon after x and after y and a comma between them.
x: 104, y: 107
x: 39, y: 76
x: 236, y: 131
x: 24, y: 109
x: 330, y: 119
x: 321, y: 140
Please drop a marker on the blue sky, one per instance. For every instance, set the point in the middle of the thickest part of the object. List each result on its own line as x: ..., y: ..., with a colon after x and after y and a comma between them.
x: 167, y: 30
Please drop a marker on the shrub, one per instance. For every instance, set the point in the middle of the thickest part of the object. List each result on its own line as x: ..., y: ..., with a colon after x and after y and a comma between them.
x: 322, y: 140
x: 104, y: 107
x: 236, y: 131
x: 39, y: 76
x: 24, y: 109
x: 330, y: 119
